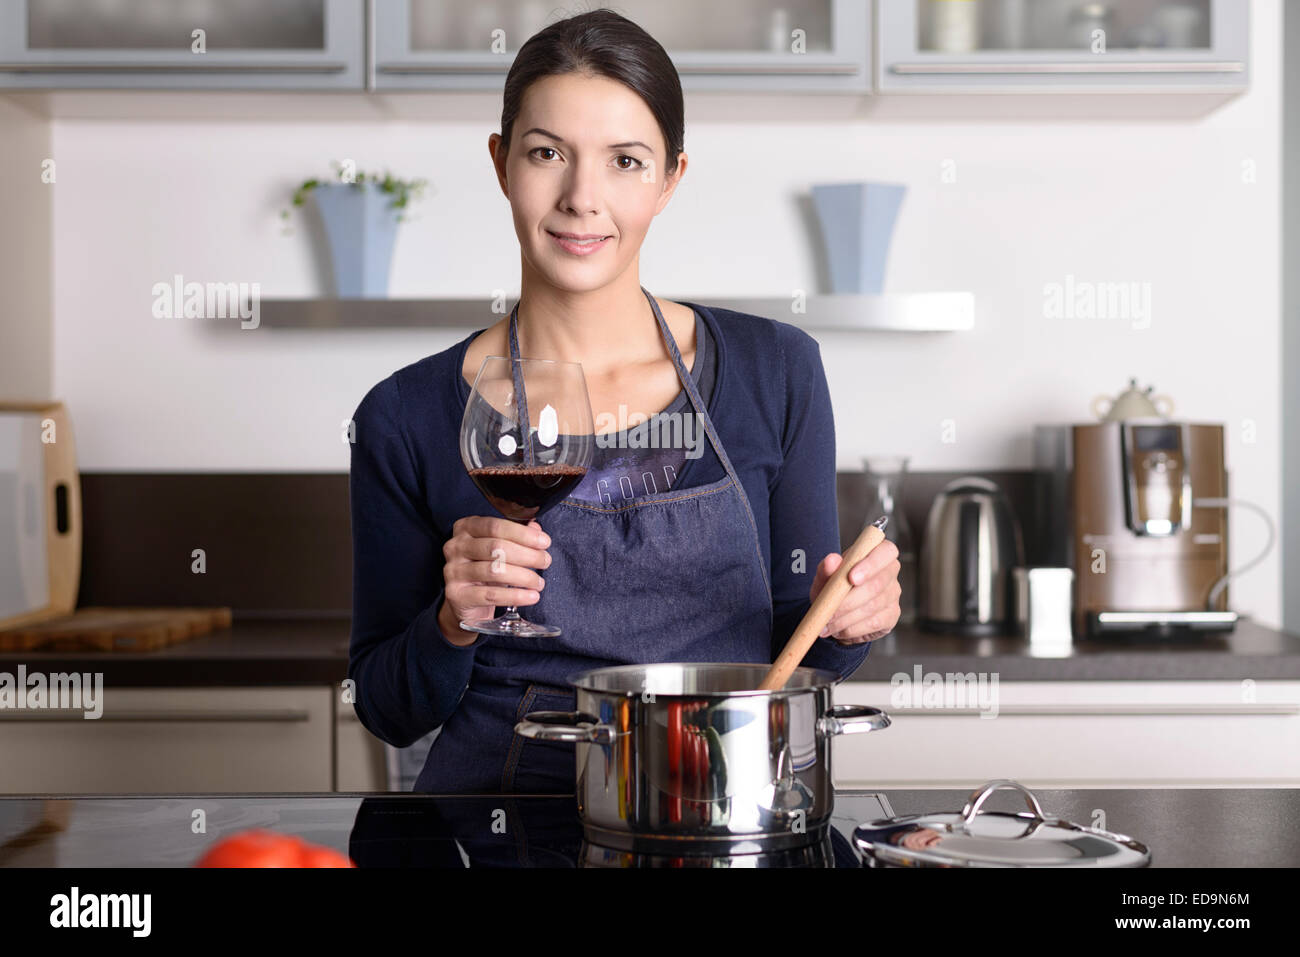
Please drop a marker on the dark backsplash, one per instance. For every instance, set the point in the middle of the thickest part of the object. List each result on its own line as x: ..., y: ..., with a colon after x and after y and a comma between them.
x: 281, y: 543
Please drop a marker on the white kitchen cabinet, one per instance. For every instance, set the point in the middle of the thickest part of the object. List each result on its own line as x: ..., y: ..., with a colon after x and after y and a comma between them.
x: 151, y: 44
x: 1081, y: 734
x: 1061, y: 46
x: 772, y: 46
x: 174, y: 740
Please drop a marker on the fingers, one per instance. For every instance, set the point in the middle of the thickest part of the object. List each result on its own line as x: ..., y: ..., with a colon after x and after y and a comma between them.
x: 480, y: 594
x: 488, y: 526
x: 871, y: 605
x: 878, y: 617
x: 882, y: 558
x: 499, y: 552
x: 490, y: 562
x: 825, y: 569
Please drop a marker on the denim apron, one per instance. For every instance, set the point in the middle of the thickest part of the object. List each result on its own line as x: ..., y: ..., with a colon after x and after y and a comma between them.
x: 676, y: 575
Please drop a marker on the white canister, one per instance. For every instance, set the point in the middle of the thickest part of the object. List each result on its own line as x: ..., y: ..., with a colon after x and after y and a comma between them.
x: 1044, y: 599
x: 954, y: 26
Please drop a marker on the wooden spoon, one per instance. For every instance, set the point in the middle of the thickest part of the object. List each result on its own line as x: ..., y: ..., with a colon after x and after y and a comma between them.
x: 823, y: 607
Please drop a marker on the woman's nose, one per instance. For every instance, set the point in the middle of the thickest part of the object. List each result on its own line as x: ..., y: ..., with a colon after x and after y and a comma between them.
x: 581, y: 190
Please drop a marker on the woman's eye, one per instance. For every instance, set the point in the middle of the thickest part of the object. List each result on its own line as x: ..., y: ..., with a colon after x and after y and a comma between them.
x: 633, y: 159
x: 540, y: 148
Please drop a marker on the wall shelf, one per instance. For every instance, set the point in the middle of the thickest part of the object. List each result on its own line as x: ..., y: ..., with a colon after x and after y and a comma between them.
x: 891, y: 312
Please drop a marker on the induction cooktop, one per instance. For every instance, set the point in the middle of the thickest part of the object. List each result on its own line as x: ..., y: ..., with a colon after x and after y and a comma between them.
x: 384, y: 830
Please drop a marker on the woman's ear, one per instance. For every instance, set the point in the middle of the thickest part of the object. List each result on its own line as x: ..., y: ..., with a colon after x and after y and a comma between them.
x: 496, y: 149
x: 670, y: 183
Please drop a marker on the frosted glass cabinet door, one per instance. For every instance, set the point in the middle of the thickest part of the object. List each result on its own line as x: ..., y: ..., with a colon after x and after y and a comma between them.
x: 963, y: 46
x: 811, y: 46
x: 151, y: 44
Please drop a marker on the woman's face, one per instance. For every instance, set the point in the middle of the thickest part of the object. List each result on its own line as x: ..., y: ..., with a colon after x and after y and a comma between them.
x: 597, y: 169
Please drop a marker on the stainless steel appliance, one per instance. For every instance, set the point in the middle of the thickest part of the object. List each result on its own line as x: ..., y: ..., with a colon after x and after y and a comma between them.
x: 972, y: 543
x: 1134, y: 506
x: 674, y: 757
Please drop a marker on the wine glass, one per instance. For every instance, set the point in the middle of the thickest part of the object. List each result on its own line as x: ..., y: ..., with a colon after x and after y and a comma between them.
x: 524, y: 472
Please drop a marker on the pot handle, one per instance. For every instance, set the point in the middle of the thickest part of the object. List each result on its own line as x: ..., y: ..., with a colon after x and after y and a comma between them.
x: 570, y: 726
x: 980, y: 795
x: 852, y: 719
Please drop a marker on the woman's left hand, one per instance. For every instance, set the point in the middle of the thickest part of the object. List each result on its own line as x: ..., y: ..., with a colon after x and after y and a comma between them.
x: 870, y: 610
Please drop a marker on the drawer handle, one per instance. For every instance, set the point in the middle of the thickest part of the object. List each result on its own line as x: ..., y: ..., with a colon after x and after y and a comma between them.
x: 225, y: 717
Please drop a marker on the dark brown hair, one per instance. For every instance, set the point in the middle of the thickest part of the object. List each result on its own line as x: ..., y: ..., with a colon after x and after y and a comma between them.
x: 601, y: 42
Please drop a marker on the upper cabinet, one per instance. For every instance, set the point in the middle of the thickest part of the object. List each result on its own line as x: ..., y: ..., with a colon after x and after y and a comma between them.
x: 196, y: 44
x: 758, y: 46
x: 814, y: 46
x: 963, y: 46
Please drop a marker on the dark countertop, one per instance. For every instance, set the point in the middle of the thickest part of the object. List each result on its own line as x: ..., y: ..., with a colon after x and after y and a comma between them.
x: 1249, y: 651
x: 1216, y: 827
x: 251, y: 652
x: 313, y: 651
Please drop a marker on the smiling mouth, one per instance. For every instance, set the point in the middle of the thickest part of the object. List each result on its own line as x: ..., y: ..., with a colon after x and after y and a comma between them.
x: 571, y: 238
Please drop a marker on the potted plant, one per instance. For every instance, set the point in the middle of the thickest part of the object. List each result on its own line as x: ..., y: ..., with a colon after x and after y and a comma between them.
x: 360, y: 213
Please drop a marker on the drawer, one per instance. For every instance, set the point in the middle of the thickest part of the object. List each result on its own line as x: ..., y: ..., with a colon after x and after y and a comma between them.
x: 171, y: 740
x: 1081, y: 734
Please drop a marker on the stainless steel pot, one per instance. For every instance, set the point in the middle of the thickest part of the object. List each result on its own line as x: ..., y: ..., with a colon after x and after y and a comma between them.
x: 672, y: 756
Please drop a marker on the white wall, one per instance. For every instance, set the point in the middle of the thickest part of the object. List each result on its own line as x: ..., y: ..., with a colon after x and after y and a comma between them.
x: 26, y: 366
x: 1161, y: 202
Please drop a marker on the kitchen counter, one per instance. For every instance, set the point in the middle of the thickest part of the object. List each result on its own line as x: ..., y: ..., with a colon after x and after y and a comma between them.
x: 312, y: 651
x: 1182, y: 827
x: 1249, y: 651
x: 251, y: 652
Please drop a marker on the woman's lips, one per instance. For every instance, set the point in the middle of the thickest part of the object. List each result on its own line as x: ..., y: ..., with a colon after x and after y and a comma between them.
x: 578, y: 248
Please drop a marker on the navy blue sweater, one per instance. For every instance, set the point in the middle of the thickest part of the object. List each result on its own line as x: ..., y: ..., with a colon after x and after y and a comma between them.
x: 772, y: 411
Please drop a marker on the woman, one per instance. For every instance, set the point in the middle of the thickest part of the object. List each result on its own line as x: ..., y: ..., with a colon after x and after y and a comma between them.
x: 705, y: 554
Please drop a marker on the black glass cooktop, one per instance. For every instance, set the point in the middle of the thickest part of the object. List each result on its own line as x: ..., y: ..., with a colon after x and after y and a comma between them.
x: 390, y: 830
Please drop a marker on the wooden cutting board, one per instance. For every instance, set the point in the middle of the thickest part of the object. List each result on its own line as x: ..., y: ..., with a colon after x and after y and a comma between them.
x: 115, y: 629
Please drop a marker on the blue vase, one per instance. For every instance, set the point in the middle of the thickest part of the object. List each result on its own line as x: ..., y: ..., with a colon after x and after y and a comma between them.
x: 361, y: 230
x: 857, y: 223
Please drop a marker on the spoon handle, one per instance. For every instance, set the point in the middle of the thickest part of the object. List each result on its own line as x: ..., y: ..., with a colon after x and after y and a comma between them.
x: 823, y: 607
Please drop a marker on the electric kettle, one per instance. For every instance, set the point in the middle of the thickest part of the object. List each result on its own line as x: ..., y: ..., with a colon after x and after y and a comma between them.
x: 972, y: 544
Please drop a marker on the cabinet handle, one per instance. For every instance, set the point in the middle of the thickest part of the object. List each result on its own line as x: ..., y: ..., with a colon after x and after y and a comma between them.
x: 172, y: 68
x: 1049, y: 711
x: 775, y: 68
x: 1104, y: 66
x: 734, y: 68
x: 283, y: 715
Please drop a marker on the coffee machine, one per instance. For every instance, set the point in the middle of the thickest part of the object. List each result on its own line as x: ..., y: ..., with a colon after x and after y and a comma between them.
x: 1134, y: 506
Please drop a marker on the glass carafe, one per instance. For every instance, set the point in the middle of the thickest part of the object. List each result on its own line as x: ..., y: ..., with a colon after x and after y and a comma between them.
x: 885, y: 477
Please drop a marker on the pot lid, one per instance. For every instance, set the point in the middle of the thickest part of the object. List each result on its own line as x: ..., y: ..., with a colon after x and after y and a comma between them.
x: 975, y: 838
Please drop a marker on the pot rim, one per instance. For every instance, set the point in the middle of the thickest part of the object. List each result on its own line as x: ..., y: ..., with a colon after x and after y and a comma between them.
x: 815, y: 679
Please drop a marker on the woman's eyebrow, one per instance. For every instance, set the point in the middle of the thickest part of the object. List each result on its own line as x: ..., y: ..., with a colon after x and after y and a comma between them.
x: 612, y: 146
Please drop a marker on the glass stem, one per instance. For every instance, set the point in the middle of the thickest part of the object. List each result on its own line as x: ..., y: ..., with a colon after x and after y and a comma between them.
x: 511, y: 614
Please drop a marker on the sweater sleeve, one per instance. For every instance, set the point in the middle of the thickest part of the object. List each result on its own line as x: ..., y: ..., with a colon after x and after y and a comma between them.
x: 803, y: 506
x: 408, y: 676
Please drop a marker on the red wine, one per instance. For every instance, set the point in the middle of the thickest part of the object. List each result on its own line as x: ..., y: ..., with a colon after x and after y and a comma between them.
x: 521, y: 493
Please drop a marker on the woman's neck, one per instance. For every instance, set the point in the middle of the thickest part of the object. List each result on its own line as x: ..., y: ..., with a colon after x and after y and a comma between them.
x: 602, y: 328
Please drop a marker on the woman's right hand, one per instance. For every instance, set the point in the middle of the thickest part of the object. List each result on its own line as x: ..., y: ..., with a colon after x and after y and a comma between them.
x: 489, y: 562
